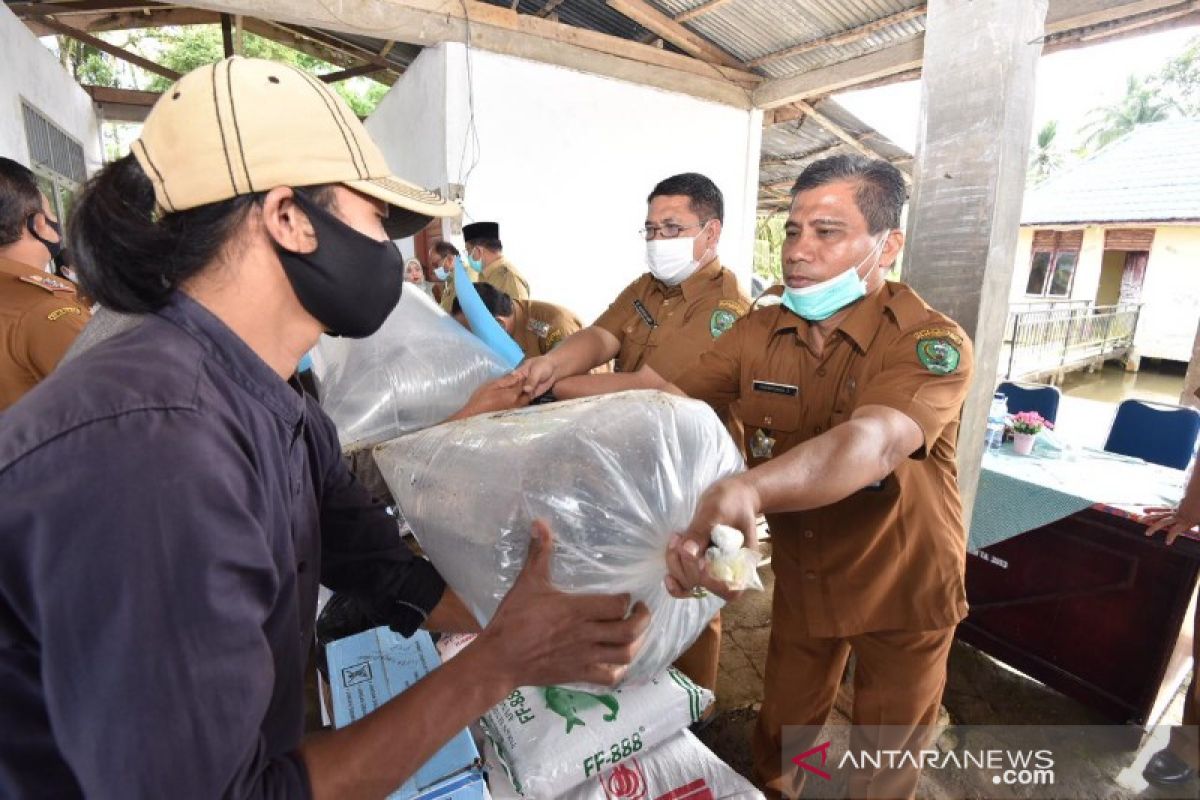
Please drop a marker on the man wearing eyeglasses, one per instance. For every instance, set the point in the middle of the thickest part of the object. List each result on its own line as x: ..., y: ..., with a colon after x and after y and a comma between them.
x: 665, y: 319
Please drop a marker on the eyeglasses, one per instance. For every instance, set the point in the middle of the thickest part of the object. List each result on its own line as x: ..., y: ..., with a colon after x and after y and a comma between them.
x: 668, y: 231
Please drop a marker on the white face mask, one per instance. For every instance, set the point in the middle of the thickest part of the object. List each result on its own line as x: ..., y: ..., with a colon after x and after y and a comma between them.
x: 670, y: 260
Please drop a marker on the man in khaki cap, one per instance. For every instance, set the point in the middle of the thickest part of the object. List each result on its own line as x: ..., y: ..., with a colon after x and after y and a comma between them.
x: 171, y: 502
x: 40, y: 314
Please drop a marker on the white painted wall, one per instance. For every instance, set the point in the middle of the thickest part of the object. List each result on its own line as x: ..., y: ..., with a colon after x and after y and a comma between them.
x: 28, y: 70
x: 564, y: 162
x: 1171, y: 295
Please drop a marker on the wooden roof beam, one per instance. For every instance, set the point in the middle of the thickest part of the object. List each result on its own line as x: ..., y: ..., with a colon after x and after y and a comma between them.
x: 352, y: 72
x: 668, y: 29
x: 843, y: 134
x: 105, y: 47
x: 499, y: 30
x: 841, y: 39
x: 706, y: 8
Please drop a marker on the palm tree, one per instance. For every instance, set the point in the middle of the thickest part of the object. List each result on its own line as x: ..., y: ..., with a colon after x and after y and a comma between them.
x: 1141, y: 104
x: 1045, y: 158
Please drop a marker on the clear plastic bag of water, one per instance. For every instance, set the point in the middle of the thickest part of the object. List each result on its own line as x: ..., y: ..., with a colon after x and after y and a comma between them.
x: 415, y: 371
x: 614, y: 477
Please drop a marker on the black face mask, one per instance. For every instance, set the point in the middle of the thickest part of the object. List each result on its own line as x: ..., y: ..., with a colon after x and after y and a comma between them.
x: 55, y: 248
x: 351, y: 282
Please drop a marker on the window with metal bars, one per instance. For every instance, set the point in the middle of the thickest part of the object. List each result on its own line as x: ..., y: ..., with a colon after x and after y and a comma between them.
x: 56, y: 158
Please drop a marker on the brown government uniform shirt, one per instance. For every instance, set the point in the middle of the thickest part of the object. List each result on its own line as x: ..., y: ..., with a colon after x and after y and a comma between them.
x: 40, y: 315
x: 540, y: 327
x: 668, y: 327
x: 890, y: 556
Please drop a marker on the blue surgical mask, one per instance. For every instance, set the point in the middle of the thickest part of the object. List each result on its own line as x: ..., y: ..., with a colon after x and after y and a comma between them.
x: 822, y: 300
x: 475, y: 264
x: 441, y: 273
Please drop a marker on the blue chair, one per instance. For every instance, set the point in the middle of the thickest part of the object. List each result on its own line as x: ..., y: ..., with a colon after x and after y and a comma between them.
x: 1032, y: 397
x: 1155, y: 432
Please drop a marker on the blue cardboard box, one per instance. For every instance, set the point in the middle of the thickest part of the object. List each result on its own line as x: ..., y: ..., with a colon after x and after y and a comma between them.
x: 370, y: 668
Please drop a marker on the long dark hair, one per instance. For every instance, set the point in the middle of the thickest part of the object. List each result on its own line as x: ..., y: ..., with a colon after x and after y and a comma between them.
x: 128, y: 260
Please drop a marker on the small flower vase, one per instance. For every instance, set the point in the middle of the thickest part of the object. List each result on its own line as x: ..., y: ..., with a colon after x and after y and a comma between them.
x: 1023, y: 443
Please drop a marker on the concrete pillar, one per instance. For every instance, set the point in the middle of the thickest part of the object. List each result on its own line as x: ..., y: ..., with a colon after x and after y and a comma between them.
x: 1192, y: 382
x: 969, y: 179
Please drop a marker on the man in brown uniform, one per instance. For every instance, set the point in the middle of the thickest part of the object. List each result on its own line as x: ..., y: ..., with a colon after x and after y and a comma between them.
x: 535, y: 326
x: 40, y: 314
x: 1177, y: 764
x: 850, y: 391
x: 663, y: 320
x: 485, y: 255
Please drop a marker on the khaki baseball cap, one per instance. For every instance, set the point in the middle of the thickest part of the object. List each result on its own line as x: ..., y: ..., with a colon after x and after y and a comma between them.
x: 245, y: 125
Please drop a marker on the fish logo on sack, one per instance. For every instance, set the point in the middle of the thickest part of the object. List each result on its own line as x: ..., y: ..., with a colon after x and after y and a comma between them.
x: 569, y: 704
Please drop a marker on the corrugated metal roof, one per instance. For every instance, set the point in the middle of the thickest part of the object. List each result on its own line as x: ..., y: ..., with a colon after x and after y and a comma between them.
x: 751, y: 29
x: 1150, y: 175
x: 788, y: 147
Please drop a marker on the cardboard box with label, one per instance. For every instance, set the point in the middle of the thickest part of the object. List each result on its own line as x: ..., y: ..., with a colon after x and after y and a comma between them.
x: 370, y: 668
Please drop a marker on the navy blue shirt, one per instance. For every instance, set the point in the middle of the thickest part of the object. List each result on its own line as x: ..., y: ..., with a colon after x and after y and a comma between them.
x: 167, y: 507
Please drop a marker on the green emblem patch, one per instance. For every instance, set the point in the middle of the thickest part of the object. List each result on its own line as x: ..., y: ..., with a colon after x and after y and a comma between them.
x: 938, y: 355
x: 721, y: 320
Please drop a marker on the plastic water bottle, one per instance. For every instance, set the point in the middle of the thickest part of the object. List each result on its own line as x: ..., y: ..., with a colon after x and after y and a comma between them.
x: 995, y: 421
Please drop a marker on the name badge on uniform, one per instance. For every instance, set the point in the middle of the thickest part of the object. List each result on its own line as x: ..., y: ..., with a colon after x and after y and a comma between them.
x: 644, y: 313
x: 776, y: 388
x: 762, y: 445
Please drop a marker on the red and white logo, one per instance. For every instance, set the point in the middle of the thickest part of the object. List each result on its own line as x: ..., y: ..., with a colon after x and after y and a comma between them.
x: 625, y: 782
x: 801, y: 760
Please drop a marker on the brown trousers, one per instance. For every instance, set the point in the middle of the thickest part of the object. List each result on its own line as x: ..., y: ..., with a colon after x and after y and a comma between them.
x: 899, y: 677
x: 699, y: 662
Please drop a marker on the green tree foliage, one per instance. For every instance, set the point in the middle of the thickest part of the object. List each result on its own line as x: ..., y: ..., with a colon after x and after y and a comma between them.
x: 1046, y: 157
x: 768, y: 245
x: 86, y: 64
x: 1141, y: 104
x: 1179, y: 79
x: 182, y: 49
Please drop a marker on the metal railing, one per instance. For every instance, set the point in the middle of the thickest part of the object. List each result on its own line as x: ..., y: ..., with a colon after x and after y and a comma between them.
x: 1059, y: 339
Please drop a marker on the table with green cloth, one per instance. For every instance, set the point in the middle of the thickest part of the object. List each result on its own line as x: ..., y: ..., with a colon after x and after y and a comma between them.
x: 1022, y: 493
x: 1064, y: 585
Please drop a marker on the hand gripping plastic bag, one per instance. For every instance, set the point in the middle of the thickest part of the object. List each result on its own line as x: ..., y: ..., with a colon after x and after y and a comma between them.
x: 415, y: 371
x: 613, y: 476
x: 551, y: 739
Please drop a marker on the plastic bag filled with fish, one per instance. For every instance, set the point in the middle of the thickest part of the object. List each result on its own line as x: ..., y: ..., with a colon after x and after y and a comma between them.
x: 614, y: 476
x: 415, y: 371
x: 550, y: 740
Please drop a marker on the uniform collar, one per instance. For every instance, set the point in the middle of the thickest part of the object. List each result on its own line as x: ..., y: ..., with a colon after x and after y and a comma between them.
x: 18, y: 269
x: 497, y: 264
x: 232, y: 354
x: 695, y: 284
x: 520, y: 314
x: 859, y: 326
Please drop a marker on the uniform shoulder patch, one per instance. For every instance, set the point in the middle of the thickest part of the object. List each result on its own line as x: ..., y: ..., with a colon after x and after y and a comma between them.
x: 538, y: 328
x: 59, y: 313
x: 49, y: 283
x: 939, y: 333
x: 553, y: 339
x: 722, y: 319
x: 736, y: 306
x: 938, y: 354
